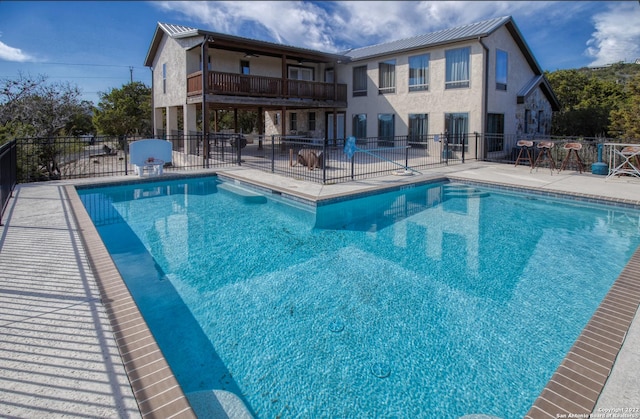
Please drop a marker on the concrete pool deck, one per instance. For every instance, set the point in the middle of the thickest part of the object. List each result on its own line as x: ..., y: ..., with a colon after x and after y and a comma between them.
x: 60, y: 355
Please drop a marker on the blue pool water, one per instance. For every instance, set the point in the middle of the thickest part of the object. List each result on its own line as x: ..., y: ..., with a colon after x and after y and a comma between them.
x: 435, y: 301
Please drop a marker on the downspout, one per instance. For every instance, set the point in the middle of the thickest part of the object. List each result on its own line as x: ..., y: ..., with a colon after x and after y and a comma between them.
x: 153, y: 108
x: 205, y: 110
x: 485, y: 104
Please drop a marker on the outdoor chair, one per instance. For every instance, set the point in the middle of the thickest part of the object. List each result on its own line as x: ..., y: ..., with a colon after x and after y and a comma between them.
x: 150, y: 154
x: 545, y: 154
x: 526, y: 152
x: 572, y: 150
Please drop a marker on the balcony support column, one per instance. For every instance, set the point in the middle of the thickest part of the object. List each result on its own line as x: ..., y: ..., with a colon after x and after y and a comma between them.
x: 172, y: 120
x: 190, y: 117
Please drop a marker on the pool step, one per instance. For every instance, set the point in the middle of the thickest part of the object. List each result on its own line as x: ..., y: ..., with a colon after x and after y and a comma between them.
x: 218, y: 404
x: 246, y: 195
x: 463, y: 191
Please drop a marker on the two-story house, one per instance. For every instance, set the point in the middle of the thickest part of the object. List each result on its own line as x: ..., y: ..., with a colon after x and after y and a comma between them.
x: 477, y: 78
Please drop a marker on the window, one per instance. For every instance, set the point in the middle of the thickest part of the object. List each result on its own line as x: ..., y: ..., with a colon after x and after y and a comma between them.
x: 527, y: 120
x: 540, y: 115
x: 456, y: 130
x: 300, y: 73
x: 495, y: 132
x: 360, y: 125
x: 312, y: 121
x: 419, y: 73
x: 208, y: 62
x: 501, y: 70
x: 386, y: 129
x: 244, y: 67
x: 293, y: 121
x: 328, y: 75
x: 164, y: 78
x: 418, y: 128
x: 360, y: 81
x: 387, y: 77
x: 276, y: 120
x: 457, y: 63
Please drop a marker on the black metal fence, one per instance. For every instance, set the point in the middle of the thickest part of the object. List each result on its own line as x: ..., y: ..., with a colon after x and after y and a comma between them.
x: 8, y: 175
x: 42, y: 159
x: 505, y: 149
x: 313, y: 159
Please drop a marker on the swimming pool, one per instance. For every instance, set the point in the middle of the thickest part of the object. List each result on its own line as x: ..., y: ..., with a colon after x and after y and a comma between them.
x: 391, y: 305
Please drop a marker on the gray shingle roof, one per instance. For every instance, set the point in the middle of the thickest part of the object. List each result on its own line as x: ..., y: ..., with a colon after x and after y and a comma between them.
x: 460, y: 33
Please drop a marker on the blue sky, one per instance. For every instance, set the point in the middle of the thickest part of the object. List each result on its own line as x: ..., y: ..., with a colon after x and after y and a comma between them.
x: 100, y: 45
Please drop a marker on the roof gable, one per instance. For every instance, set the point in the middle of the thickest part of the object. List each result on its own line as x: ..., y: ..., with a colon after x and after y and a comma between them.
x: 541, y: 82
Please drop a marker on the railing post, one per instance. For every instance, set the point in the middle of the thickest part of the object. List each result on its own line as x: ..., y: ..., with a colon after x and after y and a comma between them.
x: 238, y: 150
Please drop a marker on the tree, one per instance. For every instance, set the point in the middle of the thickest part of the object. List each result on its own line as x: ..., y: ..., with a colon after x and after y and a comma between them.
x: 125, y: 111
x: 625, y: 120
x: 29, y: 106
x: 586, y: 103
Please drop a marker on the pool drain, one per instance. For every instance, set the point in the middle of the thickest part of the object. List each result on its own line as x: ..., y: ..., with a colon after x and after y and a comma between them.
x: 380, y: 369
x: 336, y: 326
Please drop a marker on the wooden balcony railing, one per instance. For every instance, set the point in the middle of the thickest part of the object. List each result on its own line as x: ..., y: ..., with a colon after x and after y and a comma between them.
x: 259, y: 86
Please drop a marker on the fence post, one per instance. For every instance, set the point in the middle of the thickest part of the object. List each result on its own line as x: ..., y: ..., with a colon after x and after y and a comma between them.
x: 406, y: 153
x: 324, y: 162
x: 273, y: 154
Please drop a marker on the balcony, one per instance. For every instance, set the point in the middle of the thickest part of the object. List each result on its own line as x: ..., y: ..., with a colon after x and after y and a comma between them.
x: 231, y: 84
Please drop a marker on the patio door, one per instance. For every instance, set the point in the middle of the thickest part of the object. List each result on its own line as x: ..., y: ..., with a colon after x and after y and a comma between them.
x: 456, y: 125
x: 340, y: 126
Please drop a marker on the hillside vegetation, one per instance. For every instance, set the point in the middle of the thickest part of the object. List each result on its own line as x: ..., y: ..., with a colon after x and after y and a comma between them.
x: 598, y: 102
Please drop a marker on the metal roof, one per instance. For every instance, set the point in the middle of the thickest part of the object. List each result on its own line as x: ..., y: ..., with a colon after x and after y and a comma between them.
x: 539, y: 81
x: 177, y: 31
x: 446, y: 36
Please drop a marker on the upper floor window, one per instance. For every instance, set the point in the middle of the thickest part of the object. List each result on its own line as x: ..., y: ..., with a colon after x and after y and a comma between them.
x: 208, y: 62
x: 419, y: 72
x: 300, y: 73
x: 360, y: 125
x: 387, y: 77
x: 360, y: 81
x: 457, y: 64
x: 244, y: 67
x: 164, y: 78
x: 501, y: 69
x: 328, y: 75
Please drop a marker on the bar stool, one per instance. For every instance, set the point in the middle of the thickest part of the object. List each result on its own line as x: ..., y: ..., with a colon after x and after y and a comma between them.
x: 526, y: 149
x: 545, y: 154
x: 572, y: 149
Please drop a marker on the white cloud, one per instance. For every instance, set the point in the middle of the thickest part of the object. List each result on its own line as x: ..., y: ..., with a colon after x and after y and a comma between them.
x: 338, y: 25
x: 617, y: 35
x: 8, y: 53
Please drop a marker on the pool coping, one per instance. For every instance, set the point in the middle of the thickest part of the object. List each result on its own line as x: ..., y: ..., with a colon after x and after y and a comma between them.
x: 574, y: 388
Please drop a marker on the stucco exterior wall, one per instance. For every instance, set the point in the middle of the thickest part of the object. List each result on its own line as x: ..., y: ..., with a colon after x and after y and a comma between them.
x: 182, y: 57
x: 436, y: 102
x: 519, y: 74
x: 171, y: 52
